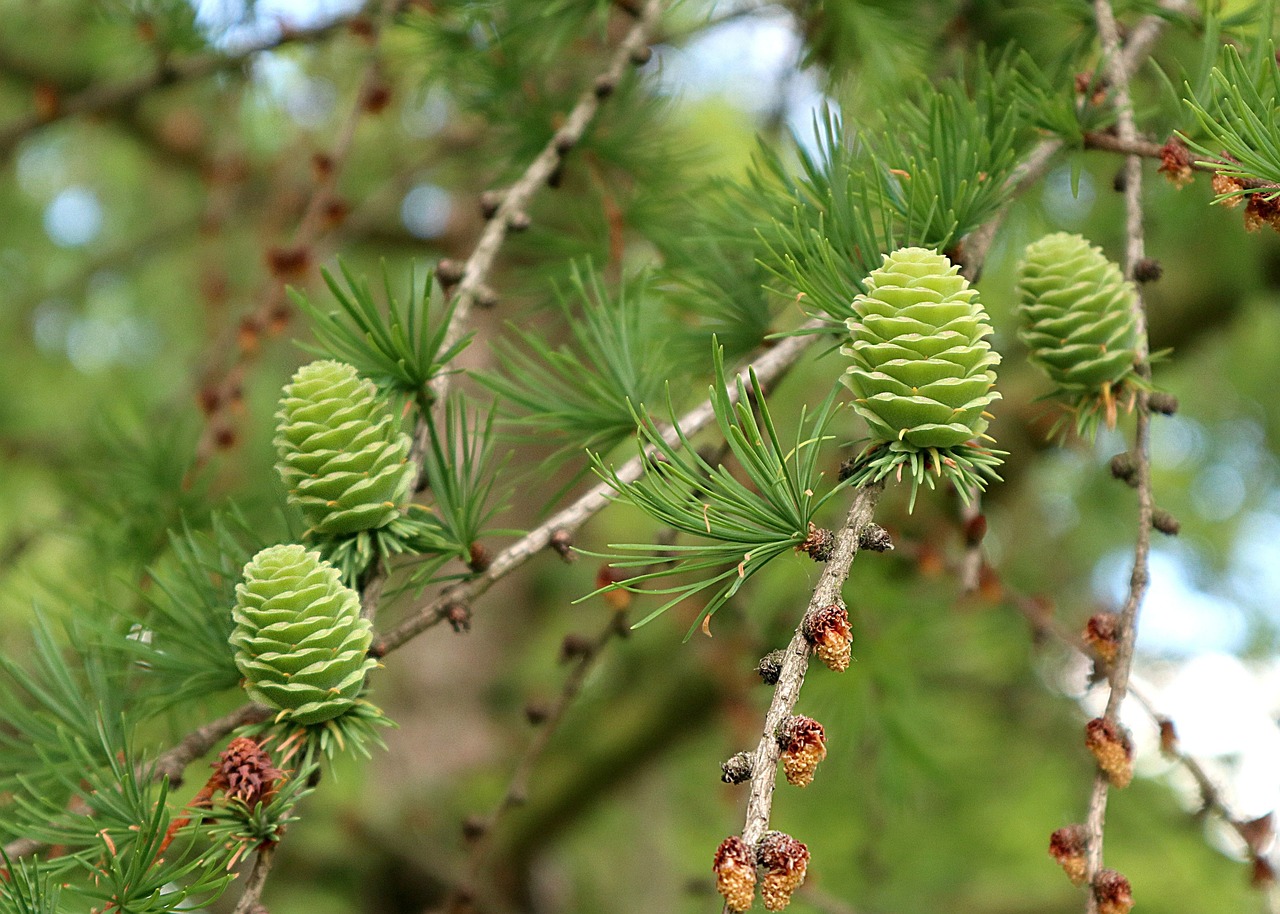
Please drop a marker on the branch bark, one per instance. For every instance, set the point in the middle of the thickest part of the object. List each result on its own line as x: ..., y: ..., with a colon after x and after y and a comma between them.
x: 764, y: 766
x: 1119, y: 671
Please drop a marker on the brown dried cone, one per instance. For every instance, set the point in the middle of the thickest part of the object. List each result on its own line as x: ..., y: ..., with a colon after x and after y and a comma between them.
x: 770, y: 667
x: 1113, y: 892
x: 804, y: 745
x: 784, y: 860
x: 735, y: 869
x: 819, y: 544
x: 1068, y: 847
x: 829, y: 632
x: 245, y: 772
x: 1111, y: 746
x: 1102, y: 633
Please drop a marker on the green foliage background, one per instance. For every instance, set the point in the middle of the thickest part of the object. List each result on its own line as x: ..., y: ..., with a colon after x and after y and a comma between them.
x: 952, y: 751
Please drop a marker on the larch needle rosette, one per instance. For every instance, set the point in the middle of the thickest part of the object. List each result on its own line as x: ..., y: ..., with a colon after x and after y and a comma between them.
x: 923, y: 374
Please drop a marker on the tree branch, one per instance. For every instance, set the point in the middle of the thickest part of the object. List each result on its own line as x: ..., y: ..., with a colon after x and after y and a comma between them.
x: 1120, y: 669
x: 773, y: 362
x: 106, y: 96
x: 250, y: 901
x: 286, y: 263
x: 795, y: 663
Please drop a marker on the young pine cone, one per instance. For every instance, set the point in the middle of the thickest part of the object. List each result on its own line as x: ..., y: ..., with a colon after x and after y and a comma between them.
x: 1068, y: 847
x: 300, y: 642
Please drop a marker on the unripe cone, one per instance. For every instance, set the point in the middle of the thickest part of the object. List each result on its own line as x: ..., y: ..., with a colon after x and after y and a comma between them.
x: 923, y: 372
x: 1077, y: 313
x: 341, y: 451
x: 300, y: 642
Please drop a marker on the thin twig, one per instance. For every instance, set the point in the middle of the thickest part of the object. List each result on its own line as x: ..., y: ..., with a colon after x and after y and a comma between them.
x: 515, y: 199
x: 1037, y: 162
x: 764, y: 766
x: 1039, y: 614
x: 773, y: 362
x: 518, y: 787
x: 106, y: 96
x: 1118, y: 672
x: 257, y: 881
x: 287, y: 263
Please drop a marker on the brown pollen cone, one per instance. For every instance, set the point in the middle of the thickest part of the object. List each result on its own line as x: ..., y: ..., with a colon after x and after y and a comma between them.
x: 1223, y: 184
x: 785, y: 861
x: 1102, y: 633
x: 1067, y: 846
x: 804, y: 745
x: 1111, y: 746
x: 245, y: 772
x: 1175, y: 162
x: 829, y: 632
x: 735, y: 870
x: 1113, y: 892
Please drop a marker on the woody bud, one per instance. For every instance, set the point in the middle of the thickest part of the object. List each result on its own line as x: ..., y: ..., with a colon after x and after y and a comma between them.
x: 1165, y: 522
x: 1102, y: 633
x: 1113, y: 893
x: 875, y: 538
x: 819, y: 544
x: 737, y: 768
x: 770, y: 667
x: 1123, y: 469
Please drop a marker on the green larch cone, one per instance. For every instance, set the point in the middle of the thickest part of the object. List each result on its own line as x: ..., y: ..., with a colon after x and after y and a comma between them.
x: 1077, y: 314
x: 300, y: 642
x: 923, y: 372
x: 341, y: 451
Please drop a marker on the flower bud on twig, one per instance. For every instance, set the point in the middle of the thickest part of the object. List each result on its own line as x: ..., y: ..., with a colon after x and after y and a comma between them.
x: 785, y: 861
x: 829, y: 632
x: 735, y: 873
x: 1111, y: 746
x: 804, y: 744
x: 1068, y: 847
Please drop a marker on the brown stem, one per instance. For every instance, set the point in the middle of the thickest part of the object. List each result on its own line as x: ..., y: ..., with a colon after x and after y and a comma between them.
x: 288, y: 262
x: 1119, y: 671
x: 764, y: 767
x: 518, y: 787
x: 1037, y: 162
x: 774, y: 361
x: 257, y: 881
x: 106, y: 96
x: 515, y: 199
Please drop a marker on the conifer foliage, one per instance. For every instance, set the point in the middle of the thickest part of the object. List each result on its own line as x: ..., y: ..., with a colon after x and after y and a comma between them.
x: 647, y: 387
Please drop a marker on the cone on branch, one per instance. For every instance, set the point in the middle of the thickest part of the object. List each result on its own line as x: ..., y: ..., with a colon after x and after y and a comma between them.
x: 735, y: 869
x: 804, y: 744
x: 1111, y: 746
x: 785, y: 861
x: 828, y: 630
x: 1069, y: 847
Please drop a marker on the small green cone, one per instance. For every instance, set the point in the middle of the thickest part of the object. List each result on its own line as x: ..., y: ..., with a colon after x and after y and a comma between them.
x: 1078, y: 322
x: 341, y: 451
x: 300, y: 642
x: 923, y: 372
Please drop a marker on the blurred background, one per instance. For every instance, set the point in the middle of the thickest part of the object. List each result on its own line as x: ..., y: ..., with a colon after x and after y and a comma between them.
x: 147, y: 240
